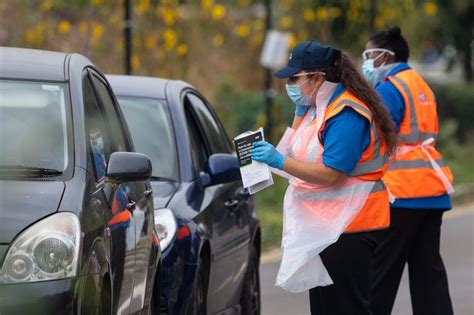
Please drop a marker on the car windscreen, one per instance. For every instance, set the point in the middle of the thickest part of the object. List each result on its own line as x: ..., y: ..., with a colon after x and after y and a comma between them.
x: 33, y: 127
x: 152, y: 133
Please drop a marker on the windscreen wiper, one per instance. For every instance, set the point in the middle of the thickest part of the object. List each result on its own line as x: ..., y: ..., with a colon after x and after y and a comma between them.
x: 29, y: 170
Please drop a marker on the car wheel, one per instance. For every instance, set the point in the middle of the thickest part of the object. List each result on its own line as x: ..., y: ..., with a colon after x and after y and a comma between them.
x: 197, y: 304
x: 250, y: 298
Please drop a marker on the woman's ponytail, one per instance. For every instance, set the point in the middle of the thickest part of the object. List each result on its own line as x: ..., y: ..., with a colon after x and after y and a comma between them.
x: 345, y: 72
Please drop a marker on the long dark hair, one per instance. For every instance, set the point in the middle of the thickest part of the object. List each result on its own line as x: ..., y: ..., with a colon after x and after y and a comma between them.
x: 344, y: 71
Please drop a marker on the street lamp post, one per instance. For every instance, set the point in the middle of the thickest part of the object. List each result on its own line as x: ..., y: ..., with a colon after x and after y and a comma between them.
x: 267, y: 84
x: 128, y: 36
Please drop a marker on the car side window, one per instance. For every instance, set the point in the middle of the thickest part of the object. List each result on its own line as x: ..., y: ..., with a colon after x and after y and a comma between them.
x: 119, y: 140
x: 199, y: 151
x: 99, y: 145
x: 215, y: 136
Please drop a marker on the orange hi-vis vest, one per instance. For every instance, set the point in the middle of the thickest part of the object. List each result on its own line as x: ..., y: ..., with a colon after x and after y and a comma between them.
x: 372, y: 166
x: 375, y: 213
x: 418, y: 169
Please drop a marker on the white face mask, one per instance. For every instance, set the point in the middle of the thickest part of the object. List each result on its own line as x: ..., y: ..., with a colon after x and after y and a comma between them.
x: 368, y: 67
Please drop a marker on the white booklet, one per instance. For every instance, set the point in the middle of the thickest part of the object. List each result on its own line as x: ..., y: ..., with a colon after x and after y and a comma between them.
x: 255, y: 175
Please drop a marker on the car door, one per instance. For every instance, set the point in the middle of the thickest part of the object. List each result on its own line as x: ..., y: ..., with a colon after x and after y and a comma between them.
x: 237, y: 196
x: 108, y: 199
x: 243, y: 213
x: 227, y: 236
x: 139, y: 196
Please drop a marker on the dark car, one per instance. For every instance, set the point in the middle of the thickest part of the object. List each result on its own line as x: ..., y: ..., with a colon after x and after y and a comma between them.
x: 208, y: 229
x: 76, y: 208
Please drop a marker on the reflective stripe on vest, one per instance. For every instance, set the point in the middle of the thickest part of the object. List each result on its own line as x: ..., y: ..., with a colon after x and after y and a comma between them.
x: 415, y: 164
x: 378, y: 160
x: 336, y: 193
x: 355, y: 105
x: 415, y: 136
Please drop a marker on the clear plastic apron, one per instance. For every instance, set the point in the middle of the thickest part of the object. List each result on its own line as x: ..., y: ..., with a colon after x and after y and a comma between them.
x: 313, y: 216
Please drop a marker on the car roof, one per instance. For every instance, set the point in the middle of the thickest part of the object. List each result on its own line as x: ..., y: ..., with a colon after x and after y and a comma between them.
x: 130, y: 85
x: 35, y: 64
x: 22, y: 63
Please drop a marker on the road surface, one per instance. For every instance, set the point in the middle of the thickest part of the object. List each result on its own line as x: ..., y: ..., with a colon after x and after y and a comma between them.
x: 457, y: 248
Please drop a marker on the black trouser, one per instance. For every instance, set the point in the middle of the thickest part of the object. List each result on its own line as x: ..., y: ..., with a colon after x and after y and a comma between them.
x: 349, y: 263
x: 413, y: 238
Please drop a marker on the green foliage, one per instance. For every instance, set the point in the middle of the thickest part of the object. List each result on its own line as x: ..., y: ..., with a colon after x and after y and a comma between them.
x: 460, y: 157
x: 270, y: 212
x: 456, y: 102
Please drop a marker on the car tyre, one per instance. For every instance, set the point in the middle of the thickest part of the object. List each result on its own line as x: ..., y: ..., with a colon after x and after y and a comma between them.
x: 250, y: 297
x: 198, y: 299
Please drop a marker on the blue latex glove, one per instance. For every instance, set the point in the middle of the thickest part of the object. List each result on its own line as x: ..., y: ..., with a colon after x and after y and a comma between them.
x: 301, y: 110
x: 265, y: 152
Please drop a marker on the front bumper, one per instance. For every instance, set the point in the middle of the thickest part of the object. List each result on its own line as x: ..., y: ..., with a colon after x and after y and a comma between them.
x: 46, y: 297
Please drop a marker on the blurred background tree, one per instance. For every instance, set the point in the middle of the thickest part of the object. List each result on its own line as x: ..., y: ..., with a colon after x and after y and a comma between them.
x: 215, y: 45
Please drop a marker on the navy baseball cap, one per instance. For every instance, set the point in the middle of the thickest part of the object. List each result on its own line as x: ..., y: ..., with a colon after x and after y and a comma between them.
x: 308, y: 55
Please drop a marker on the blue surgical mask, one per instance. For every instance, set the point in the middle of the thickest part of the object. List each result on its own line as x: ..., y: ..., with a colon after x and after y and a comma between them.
x: 369, y: 70
x: 294, y: 93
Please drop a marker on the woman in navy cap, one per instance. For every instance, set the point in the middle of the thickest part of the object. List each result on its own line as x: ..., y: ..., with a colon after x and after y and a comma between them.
x: 336, y: 154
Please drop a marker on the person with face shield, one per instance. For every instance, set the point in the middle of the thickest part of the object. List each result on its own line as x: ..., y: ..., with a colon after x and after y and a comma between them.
x: 418, y: 177
x: 334, y: 155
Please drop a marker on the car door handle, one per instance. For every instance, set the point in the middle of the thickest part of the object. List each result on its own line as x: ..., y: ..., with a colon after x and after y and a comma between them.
x: 148, y: 193
x: 244, y: 192
x: 231, y: 204
x: 131, y: 206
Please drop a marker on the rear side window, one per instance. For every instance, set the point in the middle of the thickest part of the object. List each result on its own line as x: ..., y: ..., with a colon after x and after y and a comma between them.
x: 119, y: 140
x: 199, y: 151
x: 215, y: 136
x: 99, y: 145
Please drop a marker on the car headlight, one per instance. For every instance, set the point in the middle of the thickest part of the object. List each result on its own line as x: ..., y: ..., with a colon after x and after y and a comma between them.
x: 165, y: 226
x: 47, y: 250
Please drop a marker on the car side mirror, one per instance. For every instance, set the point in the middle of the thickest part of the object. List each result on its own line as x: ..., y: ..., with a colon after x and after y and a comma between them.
x: 222, y: 168
x: 128, y: 167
